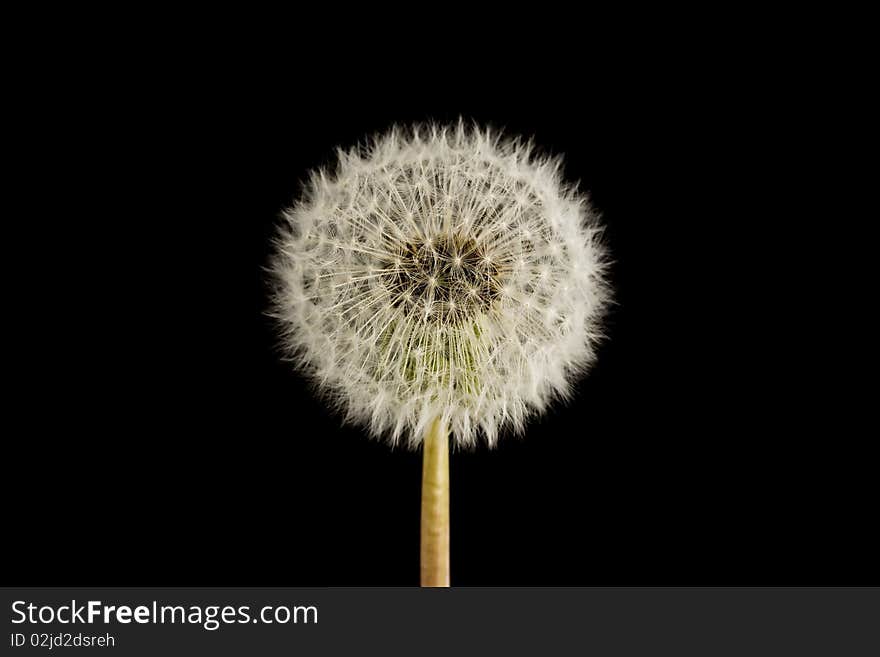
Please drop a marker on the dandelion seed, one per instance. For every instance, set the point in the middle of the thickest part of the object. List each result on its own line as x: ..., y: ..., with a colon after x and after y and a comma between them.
x: 464, y: 258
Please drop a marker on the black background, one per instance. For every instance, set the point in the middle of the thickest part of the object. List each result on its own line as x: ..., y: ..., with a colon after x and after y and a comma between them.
x: 156, y: 438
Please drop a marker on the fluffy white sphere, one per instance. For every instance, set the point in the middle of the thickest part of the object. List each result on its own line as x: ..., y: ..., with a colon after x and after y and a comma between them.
x: 440, y: 272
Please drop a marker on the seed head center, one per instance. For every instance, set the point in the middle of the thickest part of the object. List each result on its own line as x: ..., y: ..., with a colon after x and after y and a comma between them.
x: 449, y: 278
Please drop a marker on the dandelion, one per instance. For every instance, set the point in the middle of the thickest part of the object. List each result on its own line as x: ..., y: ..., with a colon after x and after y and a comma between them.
x: 440, y: 282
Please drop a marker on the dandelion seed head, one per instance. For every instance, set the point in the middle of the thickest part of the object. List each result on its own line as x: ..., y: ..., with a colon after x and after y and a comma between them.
x: 441, y: 272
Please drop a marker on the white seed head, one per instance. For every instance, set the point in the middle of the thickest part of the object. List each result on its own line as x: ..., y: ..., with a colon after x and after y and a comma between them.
x: 440, y: 272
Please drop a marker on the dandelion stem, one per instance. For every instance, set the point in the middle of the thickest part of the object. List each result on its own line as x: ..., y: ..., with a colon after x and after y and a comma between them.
x: 435, y: 506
